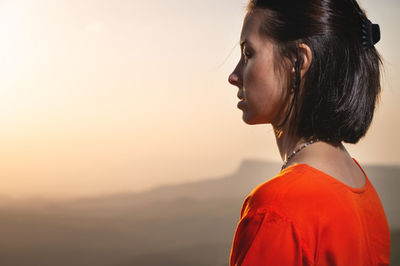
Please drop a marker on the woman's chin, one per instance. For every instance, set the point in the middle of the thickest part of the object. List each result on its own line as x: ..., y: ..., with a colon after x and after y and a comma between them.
x: 252, y: 120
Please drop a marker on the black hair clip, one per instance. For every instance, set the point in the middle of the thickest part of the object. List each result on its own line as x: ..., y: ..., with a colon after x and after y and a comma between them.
x: 370, y: 33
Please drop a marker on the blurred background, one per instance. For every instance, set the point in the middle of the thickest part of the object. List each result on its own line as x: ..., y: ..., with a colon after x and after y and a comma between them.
x: 120, y: 140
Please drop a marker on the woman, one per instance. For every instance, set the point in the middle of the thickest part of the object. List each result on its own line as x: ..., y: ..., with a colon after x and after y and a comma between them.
x: 310, y: 69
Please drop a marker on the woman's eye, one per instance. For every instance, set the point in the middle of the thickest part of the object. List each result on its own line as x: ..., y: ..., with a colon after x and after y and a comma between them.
x: 246, y: 53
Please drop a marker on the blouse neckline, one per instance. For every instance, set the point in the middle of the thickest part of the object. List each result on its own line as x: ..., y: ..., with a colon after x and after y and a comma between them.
x: 353, y: 189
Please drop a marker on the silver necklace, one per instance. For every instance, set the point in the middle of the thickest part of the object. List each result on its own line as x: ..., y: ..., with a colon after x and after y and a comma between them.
x: 297, y: 150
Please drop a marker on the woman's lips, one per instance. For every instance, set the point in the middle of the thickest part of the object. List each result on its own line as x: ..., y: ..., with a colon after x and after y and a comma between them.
x: 241, y: 104
x: 240, y: 95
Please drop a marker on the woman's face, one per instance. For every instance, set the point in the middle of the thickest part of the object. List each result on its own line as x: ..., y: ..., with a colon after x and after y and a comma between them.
x: 260, y: 84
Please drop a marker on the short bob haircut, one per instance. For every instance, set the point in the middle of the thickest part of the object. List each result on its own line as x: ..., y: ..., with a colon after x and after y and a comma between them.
x: 342, y: 85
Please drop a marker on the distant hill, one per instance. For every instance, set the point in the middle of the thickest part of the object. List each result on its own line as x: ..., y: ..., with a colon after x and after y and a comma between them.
x: 189, y: 224
x: 237, y: 184
x: 386, y: 180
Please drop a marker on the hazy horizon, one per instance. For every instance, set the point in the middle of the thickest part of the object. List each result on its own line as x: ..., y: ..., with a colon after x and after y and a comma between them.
x: 187, y: 225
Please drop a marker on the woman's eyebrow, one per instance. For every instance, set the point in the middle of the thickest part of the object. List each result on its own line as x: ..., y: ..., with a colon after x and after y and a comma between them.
x: 242, y: 43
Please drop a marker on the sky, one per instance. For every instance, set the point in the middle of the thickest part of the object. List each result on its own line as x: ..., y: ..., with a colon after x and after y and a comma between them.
x: 101, y: 97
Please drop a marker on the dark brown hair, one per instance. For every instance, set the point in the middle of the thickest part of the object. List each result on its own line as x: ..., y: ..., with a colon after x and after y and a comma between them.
x: 340, y: 89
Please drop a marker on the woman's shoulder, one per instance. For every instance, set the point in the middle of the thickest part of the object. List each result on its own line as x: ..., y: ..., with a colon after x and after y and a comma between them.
x: 297, y: 186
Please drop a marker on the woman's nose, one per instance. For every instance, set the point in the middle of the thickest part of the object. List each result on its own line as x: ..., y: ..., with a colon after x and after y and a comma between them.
x: 233, y: 79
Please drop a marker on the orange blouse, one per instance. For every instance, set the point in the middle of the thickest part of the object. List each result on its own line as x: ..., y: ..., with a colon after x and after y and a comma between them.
x: 306, y: 217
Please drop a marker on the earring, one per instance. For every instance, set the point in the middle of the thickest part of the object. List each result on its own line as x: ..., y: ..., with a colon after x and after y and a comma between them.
x: 278, y: 133
x: 293, y: 83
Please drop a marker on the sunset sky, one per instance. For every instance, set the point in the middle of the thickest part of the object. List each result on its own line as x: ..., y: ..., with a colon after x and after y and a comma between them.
x: 105, y: 96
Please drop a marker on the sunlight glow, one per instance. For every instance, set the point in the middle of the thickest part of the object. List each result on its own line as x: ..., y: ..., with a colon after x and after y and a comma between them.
x: 12, y: 36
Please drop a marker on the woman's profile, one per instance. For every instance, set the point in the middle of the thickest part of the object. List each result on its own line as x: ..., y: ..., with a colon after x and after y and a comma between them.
x: 310, y: 69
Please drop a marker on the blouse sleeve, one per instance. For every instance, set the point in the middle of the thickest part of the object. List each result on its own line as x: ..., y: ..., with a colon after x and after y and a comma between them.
x: 267, y: 238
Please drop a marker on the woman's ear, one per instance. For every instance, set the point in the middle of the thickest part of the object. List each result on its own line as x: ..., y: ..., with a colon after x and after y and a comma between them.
x: 306, y: 54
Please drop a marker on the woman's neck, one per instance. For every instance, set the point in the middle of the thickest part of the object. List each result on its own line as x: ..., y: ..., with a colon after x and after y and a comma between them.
x: 286, y: 143
x: 330, y: 158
